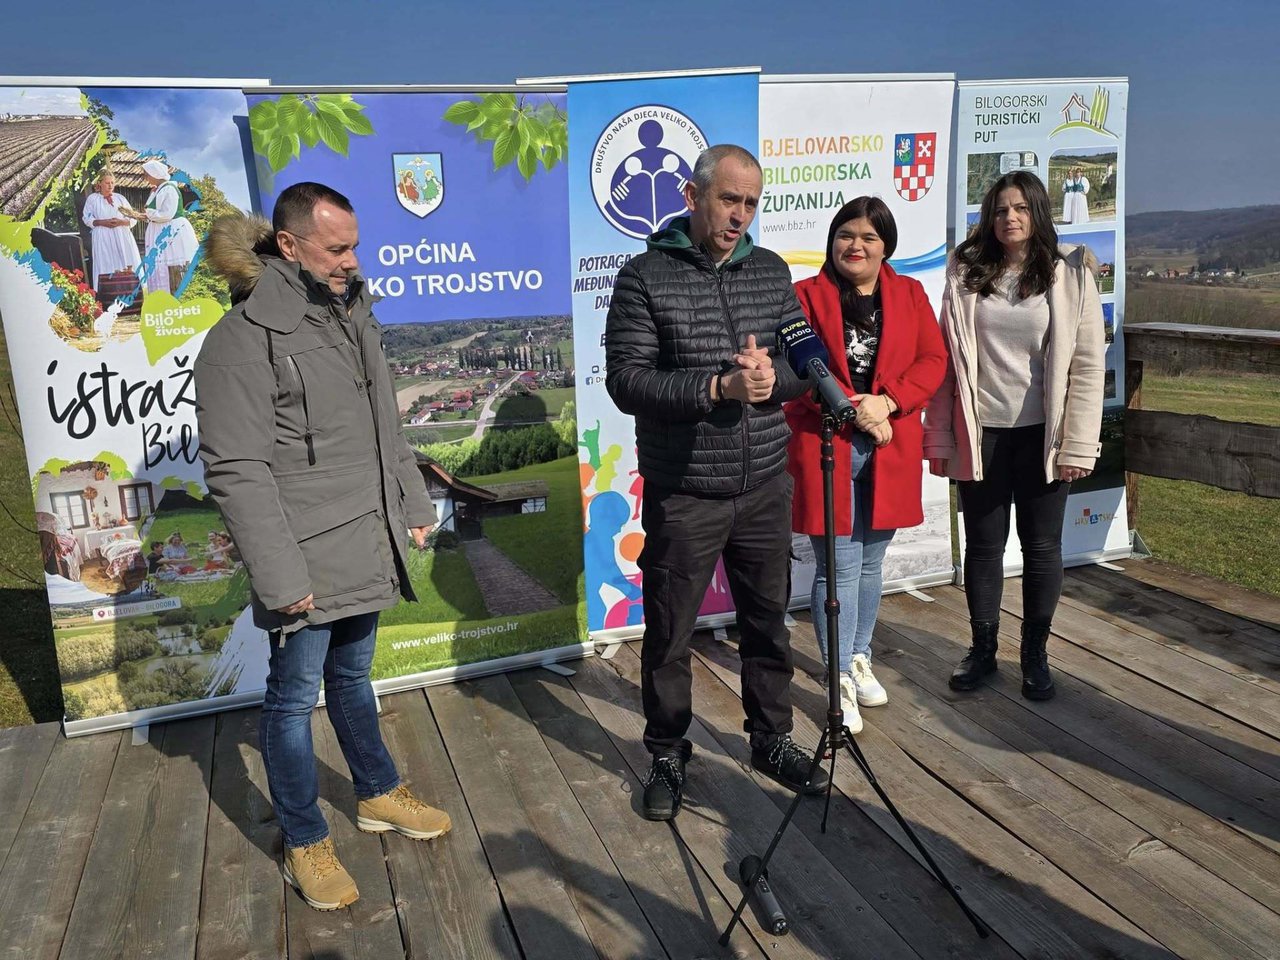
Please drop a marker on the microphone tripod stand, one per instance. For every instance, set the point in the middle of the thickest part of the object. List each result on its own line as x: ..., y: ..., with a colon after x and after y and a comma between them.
x: 837, y: 735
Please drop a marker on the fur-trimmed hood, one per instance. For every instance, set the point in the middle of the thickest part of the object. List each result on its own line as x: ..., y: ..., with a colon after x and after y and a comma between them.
x: 234, y: 248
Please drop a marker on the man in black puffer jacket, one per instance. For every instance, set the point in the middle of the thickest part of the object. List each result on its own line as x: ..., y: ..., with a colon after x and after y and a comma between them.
x: 686, y: 349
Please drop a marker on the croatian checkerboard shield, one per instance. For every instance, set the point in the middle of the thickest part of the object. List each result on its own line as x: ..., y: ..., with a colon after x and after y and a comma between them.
x: 913, y: 160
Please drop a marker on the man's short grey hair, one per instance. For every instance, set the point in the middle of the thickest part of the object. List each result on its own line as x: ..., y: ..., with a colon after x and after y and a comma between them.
x: 705, y: 169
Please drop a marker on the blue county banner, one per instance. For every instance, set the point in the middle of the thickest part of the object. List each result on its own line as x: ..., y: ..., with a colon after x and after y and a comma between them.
x: 105, y: 200
x: 632, y: 146
x: 823, y: 142
x: 462, y: 200
x: 1071, y: 134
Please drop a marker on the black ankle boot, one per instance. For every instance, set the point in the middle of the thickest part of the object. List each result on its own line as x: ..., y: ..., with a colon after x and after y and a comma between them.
x: 1037, y: 682
x: 980, y: 662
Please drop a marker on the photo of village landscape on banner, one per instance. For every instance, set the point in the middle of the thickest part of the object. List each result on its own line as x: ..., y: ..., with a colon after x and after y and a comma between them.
x: 106, y: 299
x: 480, y: 341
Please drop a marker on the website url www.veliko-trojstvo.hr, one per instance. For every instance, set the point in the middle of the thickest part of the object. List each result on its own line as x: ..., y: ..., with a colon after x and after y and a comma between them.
x: 451, y: 636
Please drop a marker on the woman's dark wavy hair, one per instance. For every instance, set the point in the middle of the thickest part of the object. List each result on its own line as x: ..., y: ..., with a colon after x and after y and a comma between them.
x: 881, y: 217
x: 980, y: 257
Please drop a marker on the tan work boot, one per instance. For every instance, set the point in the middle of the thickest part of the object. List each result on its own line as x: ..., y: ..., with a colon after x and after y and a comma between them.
x: 319, y: 877
x: 402, y: 812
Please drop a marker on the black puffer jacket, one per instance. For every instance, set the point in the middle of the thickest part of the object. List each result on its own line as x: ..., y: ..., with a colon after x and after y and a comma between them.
x: 674, y: 322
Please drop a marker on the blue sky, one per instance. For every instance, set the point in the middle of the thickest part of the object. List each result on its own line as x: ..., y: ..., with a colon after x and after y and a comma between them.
x: 1203, y: 128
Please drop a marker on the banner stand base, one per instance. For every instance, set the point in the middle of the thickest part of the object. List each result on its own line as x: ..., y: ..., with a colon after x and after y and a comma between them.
x: 1138, y: 547
x: 920, y: 595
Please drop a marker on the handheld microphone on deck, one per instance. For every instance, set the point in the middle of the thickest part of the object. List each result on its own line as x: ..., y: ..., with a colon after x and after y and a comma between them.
x: 808, y: 357
x: 762, y: 895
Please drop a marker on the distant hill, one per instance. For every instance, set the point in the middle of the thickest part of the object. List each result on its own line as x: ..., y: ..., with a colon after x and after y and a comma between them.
x: 1240, y: 237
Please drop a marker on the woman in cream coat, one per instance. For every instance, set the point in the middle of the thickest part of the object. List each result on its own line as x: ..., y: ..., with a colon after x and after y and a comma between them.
x: 1018, y: 417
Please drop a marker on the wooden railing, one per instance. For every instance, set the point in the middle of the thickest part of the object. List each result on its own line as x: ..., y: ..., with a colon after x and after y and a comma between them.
x: 1230, y: 454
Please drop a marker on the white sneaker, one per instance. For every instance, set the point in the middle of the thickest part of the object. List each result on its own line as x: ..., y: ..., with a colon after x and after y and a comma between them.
x: 849, y: 704
x: 870, y: 692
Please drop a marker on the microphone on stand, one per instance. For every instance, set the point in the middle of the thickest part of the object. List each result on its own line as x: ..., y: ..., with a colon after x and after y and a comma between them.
x: 808, y: 357
x: 761, y: 895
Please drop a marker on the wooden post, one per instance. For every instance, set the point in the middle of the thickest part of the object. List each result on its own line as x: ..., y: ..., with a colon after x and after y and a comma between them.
x: 1132, y: 401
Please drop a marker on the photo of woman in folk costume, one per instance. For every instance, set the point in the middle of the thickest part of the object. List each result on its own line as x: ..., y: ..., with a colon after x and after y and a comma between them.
x: 111, y: 231
x: 171, y: 241
x: 1075, y: 197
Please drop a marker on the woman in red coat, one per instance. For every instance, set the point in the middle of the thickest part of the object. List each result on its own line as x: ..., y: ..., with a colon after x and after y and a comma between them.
x: 888, y: 355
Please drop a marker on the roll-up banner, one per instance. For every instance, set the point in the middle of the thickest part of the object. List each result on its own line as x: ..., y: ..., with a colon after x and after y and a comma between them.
x: 106, y: 190
x: 1071, y: 134
x: 825, y: 140
x: 632, y: 146
x: 461, y: 197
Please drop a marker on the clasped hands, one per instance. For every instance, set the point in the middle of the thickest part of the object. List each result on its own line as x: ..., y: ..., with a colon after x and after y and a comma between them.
x: 873, y: 416
x: 750, y: 379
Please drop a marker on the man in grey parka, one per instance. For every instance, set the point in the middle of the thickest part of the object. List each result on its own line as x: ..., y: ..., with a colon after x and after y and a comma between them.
x: 303, y: 452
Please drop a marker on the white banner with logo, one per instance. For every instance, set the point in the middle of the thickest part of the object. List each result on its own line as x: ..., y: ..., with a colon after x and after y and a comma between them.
x: 1071, y: 134
x: 823, y: 142
x: 632, y: 145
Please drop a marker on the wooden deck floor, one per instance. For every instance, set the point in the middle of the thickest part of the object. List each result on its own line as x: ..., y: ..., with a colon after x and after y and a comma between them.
x: 1135, y: 816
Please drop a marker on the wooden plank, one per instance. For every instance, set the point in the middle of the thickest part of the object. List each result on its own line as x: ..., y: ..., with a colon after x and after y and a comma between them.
x: 140, y: 895
x: 564, y: 895
x: 448, y: 900
x: 1191, y: 446
x: 242, y: 898
x: 1242, y: 696
x: 1242, y: 602
x: 727, y: 816
x: 911, y: 644
x: 23, y: 754
x: 1180, y: 347
x: 369, y: 928
x: 679, y: 900
x: 1239, y: 647
x: 904, y: 892
x: 1035, y: 907
x: 1174, y: 900
x: 1163, y: 736
x: 42, y: 873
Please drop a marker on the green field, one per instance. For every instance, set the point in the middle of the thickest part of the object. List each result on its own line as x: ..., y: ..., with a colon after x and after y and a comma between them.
x: 445, y: 587
x: 553, y: 553
x: 441, y: 434
x: 1224, y: 534
x: 539, y: 405
x: 28, y: 668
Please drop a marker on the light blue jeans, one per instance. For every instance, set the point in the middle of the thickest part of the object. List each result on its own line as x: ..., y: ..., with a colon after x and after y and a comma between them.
x: 859, y: 568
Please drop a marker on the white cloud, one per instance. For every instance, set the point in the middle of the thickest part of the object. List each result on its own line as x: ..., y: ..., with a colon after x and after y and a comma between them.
x: 195, y: 129
x: 59, y: 101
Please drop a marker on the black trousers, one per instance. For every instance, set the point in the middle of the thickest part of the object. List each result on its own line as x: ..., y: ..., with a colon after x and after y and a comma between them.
x: 684, y: 537
x: 1013, y: 472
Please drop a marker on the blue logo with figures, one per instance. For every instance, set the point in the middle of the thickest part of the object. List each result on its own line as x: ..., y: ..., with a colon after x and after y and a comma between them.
x: 640, y: 165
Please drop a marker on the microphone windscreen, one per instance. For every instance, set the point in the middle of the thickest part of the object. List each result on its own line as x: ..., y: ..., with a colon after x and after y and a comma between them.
x: 799, y: 344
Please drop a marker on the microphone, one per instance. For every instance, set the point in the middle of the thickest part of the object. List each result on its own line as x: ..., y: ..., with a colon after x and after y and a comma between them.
x: 762, y: 894
x: 808, y: 357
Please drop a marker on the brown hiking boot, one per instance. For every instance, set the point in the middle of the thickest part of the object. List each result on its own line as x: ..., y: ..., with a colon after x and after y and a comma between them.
x: 319, y: 877
x: 402, y: 812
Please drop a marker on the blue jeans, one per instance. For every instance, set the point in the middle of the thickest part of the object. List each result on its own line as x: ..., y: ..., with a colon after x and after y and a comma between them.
x: 341, y: 652
x: 859, y: 568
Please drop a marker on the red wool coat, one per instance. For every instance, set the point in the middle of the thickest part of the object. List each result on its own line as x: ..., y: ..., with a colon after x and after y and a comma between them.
x: 910, y: 364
